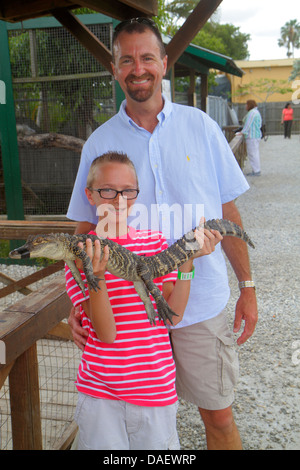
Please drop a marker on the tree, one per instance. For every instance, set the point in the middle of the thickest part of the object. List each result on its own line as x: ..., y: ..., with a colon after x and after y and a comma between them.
x: 225, y: 39
x: 263, y: 88
x: 290, y: 37
x: 296, y: 70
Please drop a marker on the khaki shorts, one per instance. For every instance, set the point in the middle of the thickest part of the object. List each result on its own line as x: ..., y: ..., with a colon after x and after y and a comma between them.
x: 206, y: 363
x: 117, y: 425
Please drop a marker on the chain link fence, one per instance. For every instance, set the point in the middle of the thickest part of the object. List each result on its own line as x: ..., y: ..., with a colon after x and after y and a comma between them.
x: 59, y: 87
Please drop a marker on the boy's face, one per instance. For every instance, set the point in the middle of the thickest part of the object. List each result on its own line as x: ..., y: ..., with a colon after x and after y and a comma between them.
x: 113, y: 175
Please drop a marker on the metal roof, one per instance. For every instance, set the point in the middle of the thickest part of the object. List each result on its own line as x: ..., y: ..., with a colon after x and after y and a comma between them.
x: 199, y: 59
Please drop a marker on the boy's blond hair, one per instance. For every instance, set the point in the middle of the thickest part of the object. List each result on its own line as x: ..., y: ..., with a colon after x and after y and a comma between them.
x: 108, y: 157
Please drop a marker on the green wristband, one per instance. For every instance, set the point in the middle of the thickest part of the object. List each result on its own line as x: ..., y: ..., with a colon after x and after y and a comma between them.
x: 186, y: 276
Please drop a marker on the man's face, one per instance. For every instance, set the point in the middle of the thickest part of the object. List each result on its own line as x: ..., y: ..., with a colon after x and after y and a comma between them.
x: 139, y: 67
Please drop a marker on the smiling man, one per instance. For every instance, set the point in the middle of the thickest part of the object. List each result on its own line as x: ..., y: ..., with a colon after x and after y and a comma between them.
x: 181, y: 157
x: 139, y: 70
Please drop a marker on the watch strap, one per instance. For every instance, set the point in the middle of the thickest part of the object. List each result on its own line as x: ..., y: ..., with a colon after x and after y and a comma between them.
x: 243, y: 284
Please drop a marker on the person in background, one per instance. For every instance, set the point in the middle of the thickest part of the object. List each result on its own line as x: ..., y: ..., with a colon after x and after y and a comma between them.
x: 287, y: 120
x: 182, y: 161
x: 252, y: 134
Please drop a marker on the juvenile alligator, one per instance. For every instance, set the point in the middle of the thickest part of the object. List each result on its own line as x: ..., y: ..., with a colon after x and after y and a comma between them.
x: 123, y: 263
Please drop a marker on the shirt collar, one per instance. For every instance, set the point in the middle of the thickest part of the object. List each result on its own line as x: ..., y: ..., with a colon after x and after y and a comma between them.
x: 162, y: 115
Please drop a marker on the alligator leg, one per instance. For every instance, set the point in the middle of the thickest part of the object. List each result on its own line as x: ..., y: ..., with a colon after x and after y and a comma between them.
x: 76, y: 274
x: 92, y: 280
x: 144, y: 295
x: 164, y: 311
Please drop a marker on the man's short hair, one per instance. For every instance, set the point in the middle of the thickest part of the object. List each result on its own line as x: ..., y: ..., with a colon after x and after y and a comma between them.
x: 138, y: 25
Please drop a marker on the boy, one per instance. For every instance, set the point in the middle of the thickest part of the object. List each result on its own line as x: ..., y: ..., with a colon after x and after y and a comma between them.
x: 126, y: 378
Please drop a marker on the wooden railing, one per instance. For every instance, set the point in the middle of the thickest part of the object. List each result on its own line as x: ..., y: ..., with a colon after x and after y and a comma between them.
x: 237, y: 144
x: 22, y: 324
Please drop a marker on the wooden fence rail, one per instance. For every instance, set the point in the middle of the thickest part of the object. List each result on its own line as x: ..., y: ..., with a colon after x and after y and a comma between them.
x: 21, y: 326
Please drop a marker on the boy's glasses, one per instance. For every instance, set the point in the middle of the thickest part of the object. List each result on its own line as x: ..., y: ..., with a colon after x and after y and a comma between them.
x: 108, y: 193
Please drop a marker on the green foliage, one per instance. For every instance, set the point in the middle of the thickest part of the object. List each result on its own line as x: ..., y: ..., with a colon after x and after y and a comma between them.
x: 4, y: 248
x: 296, y: 70
x: 265, y: 87
x: 225, y: 39
x: 290, y: 37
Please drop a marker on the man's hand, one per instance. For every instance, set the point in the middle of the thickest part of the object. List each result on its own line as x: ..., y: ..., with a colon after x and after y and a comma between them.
x: 246, y: 309
x: 79, y: 334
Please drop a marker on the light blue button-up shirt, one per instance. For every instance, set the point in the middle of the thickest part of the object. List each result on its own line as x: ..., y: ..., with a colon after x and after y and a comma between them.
x: 185, y: 169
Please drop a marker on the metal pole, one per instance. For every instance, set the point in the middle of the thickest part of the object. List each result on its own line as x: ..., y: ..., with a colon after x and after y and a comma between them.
x: 8, y: 135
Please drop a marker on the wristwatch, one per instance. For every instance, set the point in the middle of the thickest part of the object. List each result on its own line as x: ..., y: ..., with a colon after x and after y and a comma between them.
x: 243, y: 284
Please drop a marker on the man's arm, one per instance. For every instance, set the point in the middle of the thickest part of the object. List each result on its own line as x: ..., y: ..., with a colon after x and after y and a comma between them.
x: 84, y: 227
x: 237, y: 253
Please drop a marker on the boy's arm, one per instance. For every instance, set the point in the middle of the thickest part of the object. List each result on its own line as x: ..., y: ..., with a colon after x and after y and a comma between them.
x: 99, y: 307
x: 84, y: 227
x: 177, y: 295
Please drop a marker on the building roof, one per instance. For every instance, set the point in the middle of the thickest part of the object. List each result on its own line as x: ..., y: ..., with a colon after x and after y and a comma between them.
x: 248, y: 64
x: 201, y: 60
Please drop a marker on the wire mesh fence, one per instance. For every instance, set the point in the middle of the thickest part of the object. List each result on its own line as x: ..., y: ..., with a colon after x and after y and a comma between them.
x: 59, y: 87
x: 58, y: 362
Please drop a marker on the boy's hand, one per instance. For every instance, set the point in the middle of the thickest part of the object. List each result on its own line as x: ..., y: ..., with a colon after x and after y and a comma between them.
x: 99, y: 264
x: 207, y: 239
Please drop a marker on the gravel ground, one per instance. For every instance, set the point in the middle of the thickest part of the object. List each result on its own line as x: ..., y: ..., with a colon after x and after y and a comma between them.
x: 267, y: 405
x: 267, y: 396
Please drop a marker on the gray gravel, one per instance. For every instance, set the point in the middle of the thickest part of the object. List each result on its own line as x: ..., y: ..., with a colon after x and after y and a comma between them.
x: 267, y: 405
x: 267, y: 396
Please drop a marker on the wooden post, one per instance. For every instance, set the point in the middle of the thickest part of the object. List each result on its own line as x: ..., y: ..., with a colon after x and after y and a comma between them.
x: 204, y: 91
x: 8, y: 137
x: 192, y: 98
x: 25, y: 402
x: 194, y: 22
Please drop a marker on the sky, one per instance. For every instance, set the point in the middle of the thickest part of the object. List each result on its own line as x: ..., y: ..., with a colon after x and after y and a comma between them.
x: 262, y: 19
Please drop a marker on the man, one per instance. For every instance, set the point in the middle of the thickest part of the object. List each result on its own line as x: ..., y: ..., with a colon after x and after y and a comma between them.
x: 182, y: 160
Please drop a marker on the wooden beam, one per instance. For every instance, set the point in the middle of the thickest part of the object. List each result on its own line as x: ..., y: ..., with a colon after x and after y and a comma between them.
x: 123, y: 9
x: 189, y: 29
x: 9, y: 280
x: 4, y: 373
x: 18, y: 10
x: 25, y: 281
x: 149, y: 7
x: 204, y: 91
x: 21, y: 229
x: 25, y: 402
x: 31, y: 318
x: 84, y: 36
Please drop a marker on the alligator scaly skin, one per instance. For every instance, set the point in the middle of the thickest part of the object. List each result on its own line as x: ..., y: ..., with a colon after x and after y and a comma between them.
x: 125, y: 264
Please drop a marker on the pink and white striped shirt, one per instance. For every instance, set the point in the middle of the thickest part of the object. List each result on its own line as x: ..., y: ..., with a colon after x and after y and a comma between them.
x: 138, y: 367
